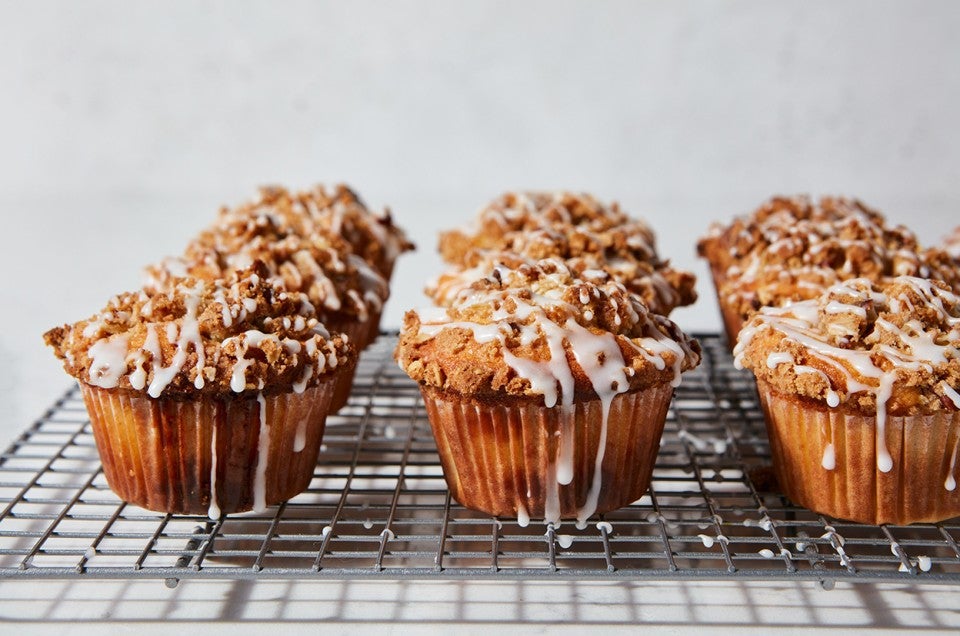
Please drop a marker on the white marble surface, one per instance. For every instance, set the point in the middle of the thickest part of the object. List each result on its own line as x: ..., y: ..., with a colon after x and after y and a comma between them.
x: 124, y: 125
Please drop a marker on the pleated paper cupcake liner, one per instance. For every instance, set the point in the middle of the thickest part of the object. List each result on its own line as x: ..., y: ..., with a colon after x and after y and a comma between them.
x: 805, y: 437
x: 211, y: 455
x: 508, y: 459
x: 361, y: 334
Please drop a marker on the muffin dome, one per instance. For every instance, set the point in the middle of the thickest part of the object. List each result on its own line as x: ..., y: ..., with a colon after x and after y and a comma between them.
x: 200, y: 337
x: 538, y: 332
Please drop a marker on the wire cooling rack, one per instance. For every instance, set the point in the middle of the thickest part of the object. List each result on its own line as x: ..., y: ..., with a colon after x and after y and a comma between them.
x: 378, y: 507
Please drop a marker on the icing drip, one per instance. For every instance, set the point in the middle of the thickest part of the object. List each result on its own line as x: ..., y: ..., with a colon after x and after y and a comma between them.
x: 951, y: 394
x: 189, y: 335
x: 300, y: 441
x: 214, y: 511
x: 263, y: 450
x: 109, y: 361
x: 523, y: 517
x: 884, y: 461
x: 951, y: 481
x: 829, y: 460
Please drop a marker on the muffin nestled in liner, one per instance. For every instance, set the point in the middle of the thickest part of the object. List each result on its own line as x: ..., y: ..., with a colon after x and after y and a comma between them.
x: 860, y: 392
x: 547, y: 394
x: 209, y: 397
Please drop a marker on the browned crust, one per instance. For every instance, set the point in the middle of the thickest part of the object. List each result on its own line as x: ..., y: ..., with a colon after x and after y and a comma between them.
x: 258, y: 306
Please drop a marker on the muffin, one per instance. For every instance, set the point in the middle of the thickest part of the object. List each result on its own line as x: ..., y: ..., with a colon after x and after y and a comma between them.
x: 521, y: 228
x: 316, y: 242
x: 859, y: 387
x: 208, y: 397
x: 792, y: 249
x: 547, y: 394
x: 281, y: 230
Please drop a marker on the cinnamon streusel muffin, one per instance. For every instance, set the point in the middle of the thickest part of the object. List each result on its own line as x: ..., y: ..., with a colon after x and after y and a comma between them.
x: 321, y: 242
x: 792, y: 249
x: 860, y: 391
x: 208, y: 397
x: 521, y: 228
x: 285, y: 231
x: 547, y: 394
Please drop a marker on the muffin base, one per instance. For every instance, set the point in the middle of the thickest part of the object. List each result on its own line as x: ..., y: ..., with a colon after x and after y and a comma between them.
x: 504, y: 458
x: 207, y: 456
x: 923, y: 448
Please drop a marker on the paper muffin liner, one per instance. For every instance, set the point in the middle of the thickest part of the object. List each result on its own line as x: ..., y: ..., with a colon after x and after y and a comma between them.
x: 503, y: 459
x: 361, y: 334
x: 208, y: 456
x: 921, y: 486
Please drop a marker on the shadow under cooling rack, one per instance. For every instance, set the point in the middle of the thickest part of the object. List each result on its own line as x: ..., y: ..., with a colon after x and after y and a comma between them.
x: 378, y: 507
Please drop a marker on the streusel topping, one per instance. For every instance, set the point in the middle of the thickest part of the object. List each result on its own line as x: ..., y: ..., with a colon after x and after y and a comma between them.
x: 538, y: 331
x: 522, y: 228
x: 196, y: 336
x: 890, y: 349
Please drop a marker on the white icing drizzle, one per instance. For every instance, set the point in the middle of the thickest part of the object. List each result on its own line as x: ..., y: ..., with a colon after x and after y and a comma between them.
x: 300, y: 440
x: 829, y: 460
x: 214, y: 510
x: 108, y: 361
x: 523, y: 517
x: 951, y: 394
x: 189, y: 335
x: 263, y: 451
x: 777, y: 358
x: 951, y: 481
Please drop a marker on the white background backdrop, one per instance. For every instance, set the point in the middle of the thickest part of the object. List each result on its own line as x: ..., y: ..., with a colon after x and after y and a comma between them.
x: 123, y: 126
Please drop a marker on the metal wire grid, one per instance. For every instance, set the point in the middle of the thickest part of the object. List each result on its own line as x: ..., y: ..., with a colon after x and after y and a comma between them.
x: 378, y: 507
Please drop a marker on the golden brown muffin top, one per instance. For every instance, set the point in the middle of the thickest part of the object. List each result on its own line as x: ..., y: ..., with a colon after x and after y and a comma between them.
x: 298, y: 254
x: 887, y: 348
x: 545, y: 224
x: 792, y: 250
x: 332, y: 211
x: 783, y: 222
x: 662, y: 288
x: 200, y: 337
x: 537, y: 331
x: 522, y: 228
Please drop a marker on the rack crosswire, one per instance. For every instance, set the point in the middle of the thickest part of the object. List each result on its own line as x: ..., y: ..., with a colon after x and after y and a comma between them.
x: 378, y: 507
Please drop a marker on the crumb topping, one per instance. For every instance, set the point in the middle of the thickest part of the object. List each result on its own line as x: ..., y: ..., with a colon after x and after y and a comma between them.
x: 890, y: 348
x: 335, y: 211
x: 240, y: 334
x: 538, y: 331
x: 791, y: 250
x: 522, y: 228
x: 662, y: 289
x: 299, y: 250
